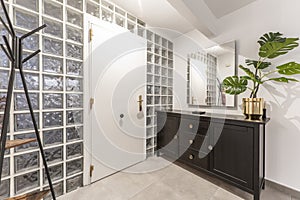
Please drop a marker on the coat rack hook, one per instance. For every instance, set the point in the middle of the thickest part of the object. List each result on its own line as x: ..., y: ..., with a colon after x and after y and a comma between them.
x: 8, y: 19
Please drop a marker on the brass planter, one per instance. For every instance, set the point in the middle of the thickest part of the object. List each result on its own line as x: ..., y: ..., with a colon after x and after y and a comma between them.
x: 253, y: 108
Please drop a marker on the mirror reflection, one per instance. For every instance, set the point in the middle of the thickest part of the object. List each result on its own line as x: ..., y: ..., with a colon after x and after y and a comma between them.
x: 206, y: 71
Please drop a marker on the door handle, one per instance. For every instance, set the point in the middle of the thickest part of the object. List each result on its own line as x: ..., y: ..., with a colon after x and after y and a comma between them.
x: 140, y: 101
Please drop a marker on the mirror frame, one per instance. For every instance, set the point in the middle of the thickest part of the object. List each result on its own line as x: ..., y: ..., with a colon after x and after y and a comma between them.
x: 234, y: 107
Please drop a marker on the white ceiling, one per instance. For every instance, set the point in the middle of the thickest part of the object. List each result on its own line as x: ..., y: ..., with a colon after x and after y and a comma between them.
x: 221, y: 8
x: 158, y: 14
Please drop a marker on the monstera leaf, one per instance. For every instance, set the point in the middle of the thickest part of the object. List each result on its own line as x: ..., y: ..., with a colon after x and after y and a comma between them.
x: 290, y: 68
x: 262, y: 65
x: 270, y: 37
x: 235, y: 85
x: 283, y: 79
x: 250, y: 74
x: 274, y: 49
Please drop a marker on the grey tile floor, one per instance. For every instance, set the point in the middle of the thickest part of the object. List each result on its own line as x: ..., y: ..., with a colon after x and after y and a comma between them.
x: 171, y: 182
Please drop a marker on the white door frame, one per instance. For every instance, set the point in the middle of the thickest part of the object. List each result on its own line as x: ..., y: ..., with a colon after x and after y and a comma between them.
x: 87, y: 131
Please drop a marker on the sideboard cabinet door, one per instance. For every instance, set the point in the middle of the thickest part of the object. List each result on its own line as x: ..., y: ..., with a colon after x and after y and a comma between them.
x: 167, y: 137
x: 232, y: 155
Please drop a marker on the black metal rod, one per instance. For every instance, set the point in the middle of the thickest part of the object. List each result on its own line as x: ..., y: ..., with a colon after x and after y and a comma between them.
x: 36, y: 130
x: 31, y: 56
x: 6, y: 52
x: 5, y: 26
x: 8, y: 19
x: 6, y: 116
x: 8, y: 46
x: 33, y: 31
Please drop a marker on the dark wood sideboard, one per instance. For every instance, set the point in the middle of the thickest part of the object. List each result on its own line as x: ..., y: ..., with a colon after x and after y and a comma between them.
x: 228, y: 147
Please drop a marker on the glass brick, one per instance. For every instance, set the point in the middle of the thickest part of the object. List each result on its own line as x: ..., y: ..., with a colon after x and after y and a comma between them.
x: 120, y: 11
x: 52, y: 64
x: 52, y: 46
x: 54, y: 154
x: 4, y: 60
x: 73, y: 84
x: 26, y: 182
x: 74, y: 133
x: 5, y: 188
x: 4, y: 75
x: 21, y: 101
x: 107, y: 15
x: 74, y: 183
x: 74, y: 101
x: 30, y: 4
x: 3, y: 101
x: 29, y: 43
x: 32, y: 81
x: 32, y: 63
x: 52, y: 101
x: 75, y: 4
x: 107, y: 5
x: 53, y: 9
x: 92, y: 9
x: 74, y: 67
x: 74, y: 34
x: 52, y: 119
x: 74, y: 17
x: 74, y: 117
x: 56, y: 173
x: 74, y: 150
x: 26, y: 161
x: 23, y: 121
x: 131, y: 17
x: 25, y: 20
x: 131, y: 27
x: 53, y: 28
x: 120, y: 21
x: 58, y: 189
x: 53, y: 83
x: 28, y: 146
x: 74, y: 51
x: 74, y: 166
x: 5, y: 167
x: 53, y: 137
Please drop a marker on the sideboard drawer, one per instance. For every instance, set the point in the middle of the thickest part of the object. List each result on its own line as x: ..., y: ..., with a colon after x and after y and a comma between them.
x: 194, y: 158
x: 193, y: 141
x: 194, y: 126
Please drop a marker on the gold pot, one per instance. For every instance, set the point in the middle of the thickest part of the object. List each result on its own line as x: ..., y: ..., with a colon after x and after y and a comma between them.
x: 253, y: 108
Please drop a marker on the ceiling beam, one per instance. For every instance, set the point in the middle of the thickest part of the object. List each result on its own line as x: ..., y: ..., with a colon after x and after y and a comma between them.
x: 198, y: 14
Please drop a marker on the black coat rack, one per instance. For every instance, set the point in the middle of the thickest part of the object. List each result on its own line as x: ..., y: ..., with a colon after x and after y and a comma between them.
x: 14, y: 53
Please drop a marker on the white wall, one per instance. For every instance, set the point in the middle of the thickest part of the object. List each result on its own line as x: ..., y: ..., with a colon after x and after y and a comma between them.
x: 283, y: 103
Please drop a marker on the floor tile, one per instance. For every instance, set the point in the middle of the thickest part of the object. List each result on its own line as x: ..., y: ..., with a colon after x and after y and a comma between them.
x: 158, y: 191
x: 222, y: 194
x: 272, y: 194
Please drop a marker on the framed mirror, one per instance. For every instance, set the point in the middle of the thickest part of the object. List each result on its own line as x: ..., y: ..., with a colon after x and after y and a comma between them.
x: 205, y: 72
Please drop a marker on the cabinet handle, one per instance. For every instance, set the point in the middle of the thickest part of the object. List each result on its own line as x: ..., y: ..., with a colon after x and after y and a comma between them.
x: 191, y: 126
x: 191, y: 157
x: 175, y: 137
x: 210, y: 147
x: 191, y: 141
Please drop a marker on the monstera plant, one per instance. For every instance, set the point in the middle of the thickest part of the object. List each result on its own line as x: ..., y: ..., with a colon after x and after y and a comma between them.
x: 258, y: 72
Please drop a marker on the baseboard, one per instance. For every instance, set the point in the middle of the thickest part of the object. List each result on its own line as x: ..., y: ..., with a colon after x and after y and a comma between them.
x: 282, y: 188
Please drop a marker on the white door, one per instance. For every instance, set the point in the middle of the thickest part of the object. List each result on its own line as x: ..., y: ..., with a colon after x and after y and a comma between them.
x: 117, y: 80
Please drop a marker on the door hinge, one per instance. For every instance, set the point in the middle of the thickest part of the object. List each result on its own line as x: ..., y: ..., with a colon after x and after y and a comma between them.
x: 90, y: 35
x: 92, y: 101
x: 91, y: 170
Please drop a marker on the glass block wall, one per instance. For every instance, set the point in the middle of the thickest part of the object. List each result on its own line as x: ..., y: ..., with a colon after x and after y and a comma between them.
x: 55, y: 80
x: 159, y: 84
